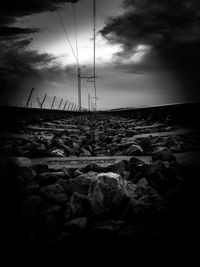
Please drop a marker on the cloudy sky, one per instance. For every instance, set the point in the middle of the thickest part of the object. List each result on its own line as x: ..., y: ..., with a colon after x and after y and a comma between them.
x: 147, y: 51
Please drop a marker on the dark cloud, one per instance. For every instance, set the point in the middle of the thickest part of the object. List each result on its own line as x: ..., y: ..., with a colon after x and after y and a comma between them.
x: 11, y: 10
x: 170, y: 27
x: 6, y: 32
x: 161, y: 23
x: 18, y: 62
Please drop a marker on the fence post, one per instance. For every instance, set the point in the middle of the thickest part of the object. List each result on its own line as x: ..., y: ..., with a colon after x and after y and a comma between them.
x: 29, y: 98
x: 65, y: 105
x: 53, y: 102
x: 69, y: 105
x: 43, y: 100
x: 60, y: 103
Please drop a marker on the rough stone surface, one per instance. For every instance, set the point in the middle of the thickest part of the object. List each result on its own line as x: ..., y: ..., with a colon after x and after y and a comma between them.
x: 163, y: 153
x: 54, y: 192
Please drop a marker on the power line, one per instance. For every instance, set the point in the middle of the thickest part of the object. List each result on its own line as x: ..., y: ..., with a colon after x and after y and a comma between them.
x: 75, y: 28
x: 63, y: 26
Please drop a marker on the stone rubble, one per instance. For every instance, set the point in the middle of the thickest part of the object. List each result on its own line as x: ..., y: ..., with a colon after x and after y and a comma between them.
x: 130, y: 207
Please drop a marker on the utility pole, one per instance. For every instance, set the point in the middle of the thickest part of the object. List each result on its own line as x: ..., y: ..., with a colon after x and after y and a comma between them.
x: 93, y: 77
x: 95, y: 89
x: 79, y: 87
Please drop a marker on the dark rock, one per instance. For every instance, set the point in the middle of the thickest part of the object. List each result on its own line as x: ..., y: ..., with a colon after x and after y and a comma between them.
x: 41, y: 168
x: 77, y: 173
x: 92, y: 168
x: 134, y: 150
x: 50, y: 209
x: 163, y: 153
x: 146, y: 202
x: 137, y: 169
x: 57, y: 153
x: 39, y: 151
x: 85, y: 153
x: 80, y: 184
x: 109, y: 193
x: 161, y: 176
x: 76, y: 224
x: 54, y: 192
x: 30, y: 208
x: 48, y: 178
x: 49, y: 223
x: 78, y: 206
x: 20, y: 170
x: 146, y: 144
x: 105, y: 229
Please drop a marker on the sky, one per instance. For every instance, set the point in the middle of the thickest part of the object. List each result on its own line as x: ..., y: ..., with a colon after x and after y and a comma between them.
x: 147, y: 52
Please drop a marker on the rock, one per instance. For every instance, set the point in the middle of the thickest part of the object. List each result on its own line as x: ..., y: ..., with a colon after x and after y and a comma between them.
x: 50, y: 209
x: 68, y: 150
x: 161, y: 176
x: 76, y: 224
x: 145, y: 144
x: 39, y: 151
x: 78, y: 206
x: 7, y: 149
x: 109, y: 193
x: 48, y: 178
x: 105, y: 229
x: 119, y: 167
x: 30, y: 208
x: 54, y: 192
x: 77, y: 173
x: 41, y: 168
x: 163, y: 153
x: 49, y: 223
x: 137, y: 169
x: 20, y: 170
x: 80, y: 184
x: 92, y: 168
x: 57, y: 153
x: 85, y: 152
x: 147, y: 201
x: 142, y: 183
x: 134, y: 150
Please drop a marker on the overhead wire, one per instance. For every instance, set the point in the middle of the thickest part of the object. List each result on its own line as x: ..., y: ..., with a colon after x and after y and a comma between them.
x: 64, y: 29
x: 75, y: 29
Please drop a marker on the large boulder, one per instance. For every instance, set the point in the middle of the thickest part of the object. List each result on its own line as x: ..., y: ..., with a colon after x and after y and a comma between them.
x: 109, y: 194
x: 163, y: 153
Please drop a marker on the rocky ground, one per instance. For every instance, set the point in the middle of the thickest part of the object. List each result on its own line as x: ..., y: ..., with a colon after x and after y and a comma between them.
x: 98, y: 190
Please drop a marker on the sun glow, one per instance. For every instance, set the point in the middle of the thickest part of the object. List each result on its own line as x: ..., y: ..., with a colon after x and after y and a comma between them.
x: 62, y: 50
